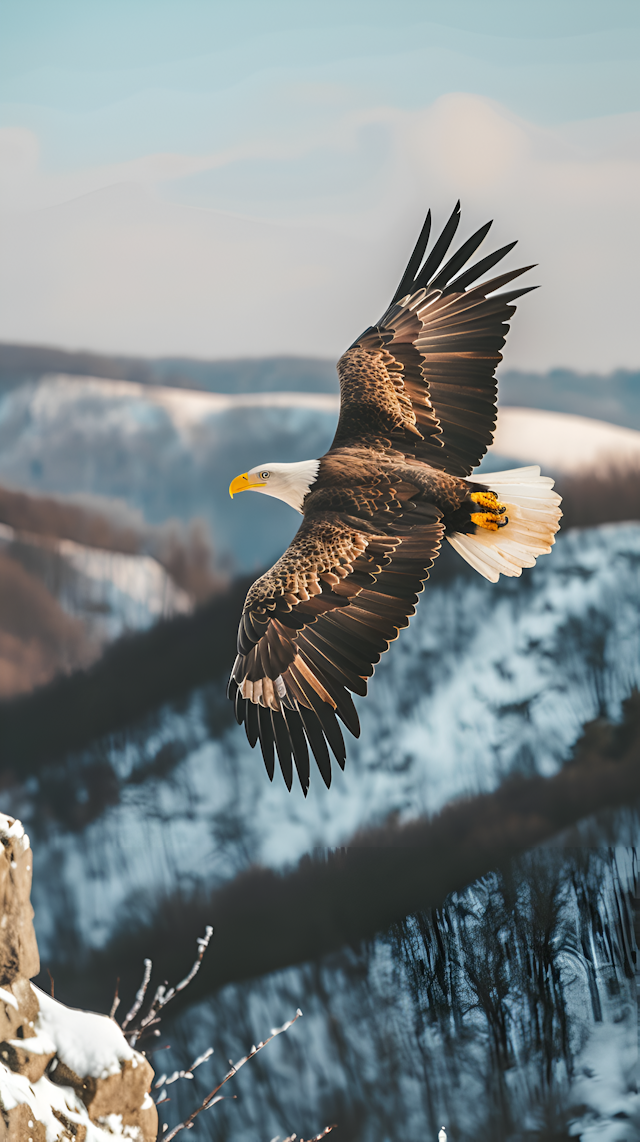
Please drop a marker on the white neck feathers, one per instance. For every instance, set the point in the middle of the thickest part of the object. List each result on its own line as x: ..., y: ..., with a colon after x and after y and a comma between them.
x: 289, y: 482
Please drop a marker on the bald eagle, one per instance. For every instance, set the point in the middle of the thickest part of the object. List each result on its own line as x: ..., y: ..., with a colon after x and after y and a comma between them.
x: 417, y: 414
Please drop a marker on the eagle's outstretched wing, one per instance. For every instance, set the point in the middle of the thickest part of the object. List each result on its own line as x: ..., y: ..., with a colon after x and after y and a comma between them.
x: 422, y: 379
x: 420, y: 382
x: 315, y: 625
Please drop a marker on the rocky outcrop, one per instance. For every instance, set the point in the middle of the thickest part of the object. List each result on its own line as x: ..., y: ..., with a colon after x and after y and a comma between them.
x: 65, y: 1075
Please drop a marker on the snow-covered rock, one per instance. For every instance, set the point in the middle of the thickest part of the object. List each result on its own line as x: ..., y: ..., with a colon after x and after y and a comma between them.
x: 18, y: 949
x: 64, y: 1074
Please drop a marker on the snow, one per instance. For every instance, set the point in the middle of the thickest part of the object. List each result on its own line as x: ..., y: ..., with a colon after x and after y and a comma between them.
x: 113, y: 1123
x: 7, y: 997
x: 168, y: 452
x: 11, y: 829
x: 605, y: 1082
x: 45, y: 1097
x: 40, y: 1044
x: 563, y: 442
x: 134, y: 589
x: 90, y: 1045
x: 188, y: 407
x: 487, y: 681
x: 140, y: 577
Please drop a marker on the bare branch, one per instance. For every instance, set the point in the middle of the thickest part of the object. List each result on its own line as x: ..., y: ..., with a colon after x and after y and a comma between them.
x: 162, y: 996
x: 213, y: 1096
x: 203, y: 944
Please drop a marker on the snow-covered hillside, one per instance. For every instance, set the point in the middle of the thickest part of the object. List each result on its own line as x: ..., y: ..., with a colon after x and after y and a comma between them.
x: 62, y: 602
x: 488, y: 680
x: 563, y: 442
x: 173, y: 452
x: 111, y: 592
x: 167, y: 452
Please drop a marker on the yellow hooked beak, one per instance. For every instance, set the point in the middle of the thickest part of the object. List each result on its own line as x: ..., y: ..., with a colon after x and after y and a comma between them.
x: 242, y: 483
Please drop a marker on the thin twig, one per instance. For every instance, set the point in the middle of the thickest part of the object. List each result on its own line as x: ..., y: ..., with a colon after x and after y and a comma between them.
x: 203, y: 944
x: 140, y: 994
x: 211, y: 1098
x: 116, y: 1001
x: 220, y: 1098
x: 322, y: 1134
x: 164, y: 994
x: 187, y: 1074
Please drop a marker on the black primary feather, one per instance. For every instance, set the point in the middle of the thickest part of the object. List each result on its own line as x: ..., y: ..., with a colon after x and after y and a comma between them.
x: 283, y: 747
x: 266, y: 741
x: 413, y: 265
x: 439, y: 250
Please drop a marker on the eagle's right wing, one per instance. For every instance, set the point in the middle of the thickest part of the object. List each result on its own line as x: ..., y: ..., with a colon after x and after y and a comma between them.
x: 422, y: 380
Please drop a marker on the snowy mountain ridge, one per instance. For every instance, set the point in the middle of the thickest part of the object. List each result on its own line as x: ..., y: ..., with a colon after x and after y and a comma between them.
x: 172, y: 452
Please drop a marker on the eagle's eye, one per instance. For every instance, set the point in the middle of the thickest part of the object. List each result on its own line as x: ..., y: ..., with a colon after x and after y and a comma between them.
x: 264, y: 475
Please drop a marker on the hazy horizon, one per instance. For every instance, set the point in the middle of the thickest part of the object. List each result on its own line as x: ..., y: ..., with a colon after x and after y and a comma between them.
x: 211, y: 181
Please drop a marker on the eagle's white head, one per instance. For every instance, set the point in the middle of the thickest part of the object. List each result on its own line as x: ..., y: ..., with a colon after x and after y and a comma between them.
x: 288, y: 482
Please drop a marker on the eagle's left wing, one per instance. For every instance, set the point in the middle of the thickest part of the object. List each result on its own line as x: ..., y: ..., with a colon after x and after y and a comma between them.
x: 315, y: 625
x: 423, y: 379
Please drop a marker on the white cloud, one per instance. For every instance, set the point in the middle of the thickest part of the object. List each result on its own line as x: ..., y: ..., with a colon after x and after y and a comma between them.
x: 121, y: 268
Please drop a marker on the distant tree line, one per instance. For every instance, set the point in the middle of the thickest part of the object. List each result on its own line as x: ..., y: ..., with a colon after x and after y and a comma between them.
x: 20, y: 363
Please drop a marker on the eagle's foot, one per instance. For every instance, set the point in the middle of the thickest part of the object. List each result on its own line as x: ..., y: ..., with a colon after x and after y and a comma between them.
x: 488, y: 520
x: 494, y: 517
x: 490, y: 501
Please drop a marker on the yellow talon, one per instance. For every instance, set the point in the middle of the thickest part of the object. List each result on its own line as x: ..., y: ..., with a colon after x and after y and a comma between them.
x: 486, y: 520
x: 489, y: 500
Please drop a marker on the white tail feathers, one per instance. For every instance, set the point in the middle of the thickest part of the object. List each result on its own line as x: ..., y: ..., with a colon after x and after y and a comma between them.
x: 533, y: 510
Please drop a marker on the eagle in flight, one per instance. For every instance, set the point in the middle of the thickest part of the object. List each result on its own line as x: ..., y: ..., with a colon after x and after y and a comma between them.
x: 417, y: 414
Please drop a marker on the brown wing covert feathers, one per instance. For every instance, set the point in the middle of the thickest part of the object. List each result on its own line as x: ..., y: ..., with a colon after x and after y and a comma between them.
x: 313, y: 629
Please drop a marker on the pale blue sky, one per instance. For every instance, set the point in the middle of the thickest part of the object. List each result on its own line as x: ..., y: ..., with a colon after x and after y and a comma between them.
x: 101, y: 81
x: 136, y: 135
